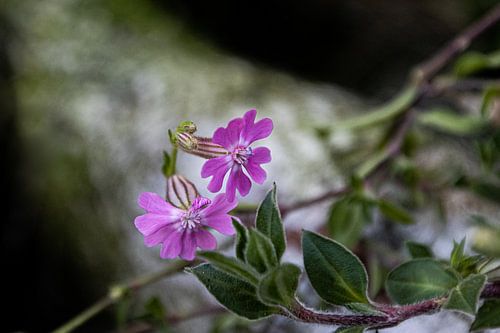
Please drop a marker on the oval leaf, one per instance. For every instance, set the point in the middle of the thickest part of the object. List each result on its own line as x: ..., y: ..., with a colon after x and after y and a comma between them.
x: 337, y: 275
x: 488, y: 315
x: 231, y: 265
x: 268, y: 221
x: 259, y: 252
x: 465, y: 296
x: 418, y: 250
x: 418, y: 280
x: 279, y: 285
x: 346, y: 221
x: 241, y: 240
x: 234, y: 293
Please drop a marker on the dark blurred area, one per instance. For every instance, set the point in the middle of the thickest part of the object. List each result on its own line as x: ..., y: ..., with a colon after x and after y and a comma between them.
x: 366, y: 46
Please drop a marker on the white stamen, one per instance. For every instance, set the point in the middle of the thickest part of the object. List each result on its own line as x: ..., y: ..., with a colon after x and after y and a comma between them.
x: 241, y: 154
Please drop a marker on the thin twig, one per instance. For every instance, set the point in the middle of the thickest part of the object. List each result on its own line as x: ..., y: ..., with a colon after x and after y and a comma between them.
x: 117, y: 292
x: 420, y: 77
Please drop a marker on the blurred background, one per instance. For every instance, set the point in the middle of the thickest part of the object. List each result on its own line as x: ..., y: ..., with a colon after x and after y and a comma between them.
x: 89, y: 89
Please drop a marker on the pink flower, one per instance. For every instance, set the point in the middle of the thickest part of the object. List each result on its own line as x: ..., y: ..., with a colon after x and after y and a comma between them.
x: 182, y: 231
x: 236, y: 138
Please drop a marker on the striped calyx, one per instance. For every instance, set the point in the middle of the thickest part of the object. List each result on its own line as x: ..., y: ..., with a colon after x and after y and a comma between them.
x: 181, y: 192
x: 199, y: 146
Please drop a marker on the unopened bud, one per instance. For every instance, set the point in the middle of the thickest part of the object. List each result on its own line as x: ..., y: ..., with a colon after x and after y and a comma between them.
x: 181, y: 192
x: 186, y: 141
x: 186, y: 127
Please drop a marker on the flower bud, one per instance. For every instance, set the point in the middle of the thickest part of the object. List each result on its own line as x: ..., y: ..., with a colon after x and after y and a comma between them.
x: 181, y: 192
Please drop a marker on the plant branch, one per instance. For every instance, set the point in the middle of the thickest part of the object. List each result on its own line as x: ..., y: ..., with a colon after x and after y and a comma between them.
x: 404, y: 101
x: 390, y: 315
x: 118, y: 292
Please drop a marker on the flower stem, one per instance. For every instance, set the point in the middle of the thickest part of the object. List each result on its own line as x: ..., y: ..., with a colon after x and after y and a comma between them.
x: 117, y: 292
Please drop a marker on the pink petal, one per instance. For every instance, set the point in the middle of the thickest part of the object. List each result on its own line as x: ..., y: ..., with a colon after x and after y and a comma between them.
x: 153, y: 203
x: 205, y: 240
x: 219, y: 206
x: 217, y: 167
x: 256, y: 172
x: 229, y: 137
x: 221, y: 223
x: 159, y: 236
x: 231, y: 183
x: 172, y: 245
x: 260, y: 155
x: 150, y: 223
x: 214, y: 165
x: 188, y: 245
x: 254, y: 131
x: 243, y: 183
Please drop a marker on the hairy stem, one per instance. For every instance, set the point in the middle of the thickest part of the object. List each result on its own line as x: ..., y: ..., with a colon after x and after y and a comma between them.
x: 390, y: 315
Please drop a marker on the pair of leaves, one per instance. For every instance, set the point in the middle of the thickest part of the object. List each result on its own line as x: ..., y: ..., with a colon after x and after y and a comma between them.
x: 253, y: 284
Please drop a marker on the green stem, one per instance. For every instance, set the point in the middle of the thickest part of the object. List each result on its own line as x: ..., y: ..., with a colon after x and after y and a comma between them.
x: 173, y: 162
x: 117, y: 292
x: 85, y: 315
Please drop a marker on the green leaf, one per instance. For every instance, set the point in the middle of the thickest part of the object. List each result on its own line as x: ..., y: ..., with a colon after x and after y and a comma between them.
x: 488, y: 315
x: 394, y: 212
x: 489, y: 95
x: 418, y: 250
x: 347, y: 218
x: 268, y: 221
x: 241, y: 240
x: 337, y: 275
x: 260, y: 253
x: 352, y: 329
x: 447, y: 121
x: 419, y: 279
x: 231, y: 265
x: 473, y: 62
x: 156, y: 314
x: 486, y: 190
x: 278, y: 286
x: 382, y: 114
x: 465, y: 296
x: 234, y: 293
x: 457, y: 254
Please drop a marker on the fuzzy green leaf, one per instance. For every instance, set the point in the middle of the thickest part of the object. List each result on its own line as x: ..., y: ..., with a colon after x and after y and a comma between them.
x: 394, y: 212
x: 347, y: 218
x: 488, y: 315
x: 268, y: 222
x: 337, y: 275
x: 419, y: 279
x: 418, y: 250
x: 241, y: 240
x: 234, y: 293
x: 260, y: 253
x: 465, y: 296
x: 278, y: 286
x: 231, y: 265
x: 457, y: 254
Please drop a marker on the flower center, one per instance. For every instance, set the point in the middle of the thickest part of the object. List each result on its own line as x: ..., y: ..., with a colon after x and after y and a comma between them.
x: 241, y: 154
x: 191, y: 220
